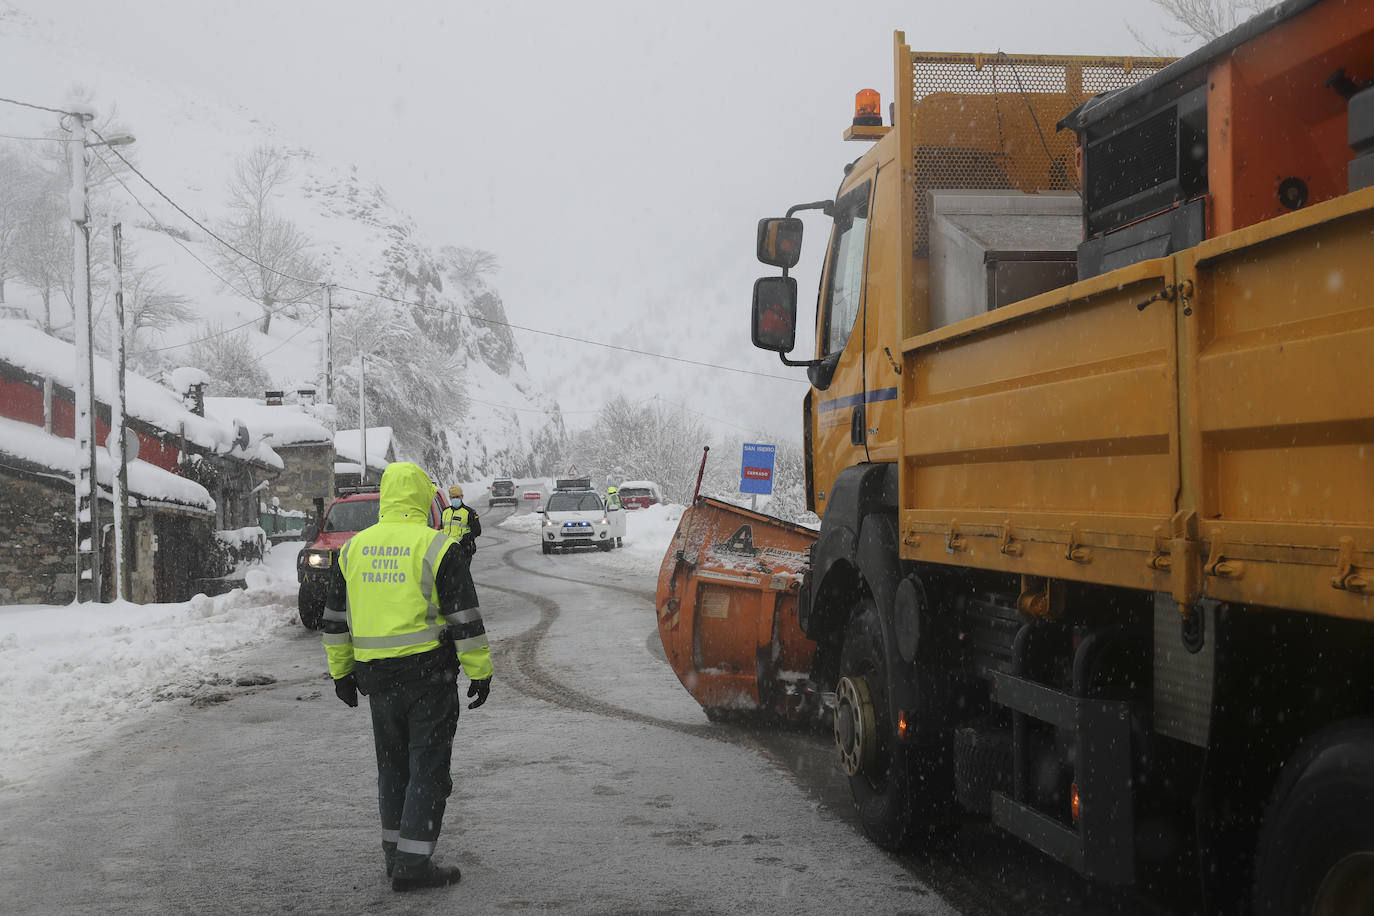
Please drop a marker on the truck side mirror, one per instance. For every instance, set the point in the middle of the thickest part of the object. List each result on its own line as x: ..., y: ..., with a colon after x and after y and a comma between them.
x: 311, y: 531
x: 779, y: 242
x: 775, y: 314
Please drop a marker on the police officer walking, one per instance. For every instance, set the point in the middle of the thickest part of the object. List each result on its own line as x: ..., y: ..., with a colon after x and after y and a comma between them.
x: 400, y: 618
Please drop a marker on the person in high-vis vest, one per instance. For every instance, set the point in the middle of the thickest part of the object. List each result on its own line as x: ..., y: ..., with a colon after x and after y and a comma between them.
x: 461, y: 521
x: 400, y: 619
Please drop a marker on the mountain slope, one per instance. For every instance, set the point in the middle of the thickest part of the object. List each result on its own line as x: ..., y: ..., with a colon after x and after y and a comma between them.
x: 441, y: 367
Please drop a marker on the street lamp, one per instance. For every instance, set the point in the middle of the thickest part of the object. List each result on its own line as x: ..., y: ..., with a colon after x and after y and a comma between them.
x: 121, y: 140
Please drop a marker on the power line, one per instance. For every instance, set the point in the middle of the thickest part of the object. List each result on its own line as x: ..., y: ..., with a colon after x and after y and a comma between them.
x: 42, y: 139
x: 440, y: 309
x: 212, y: 271
x: 287, y: 340
x: 59, y: 111
x: 555, y: 334
x: 157, y: 222
x: 204, y: 228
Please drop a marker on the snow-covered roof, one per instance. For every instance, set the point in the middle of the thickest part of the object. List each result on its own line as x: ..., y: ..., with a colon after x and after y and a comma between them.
x: 281, y: 425
x: 348, y: 448
x: 26, y: 347
x: 148, y: 482
x: 639, y: 485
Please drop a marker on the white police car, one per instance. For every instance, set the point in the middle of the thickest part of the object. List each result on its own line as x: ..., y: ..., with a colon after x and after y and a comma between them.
x: 577, y: 516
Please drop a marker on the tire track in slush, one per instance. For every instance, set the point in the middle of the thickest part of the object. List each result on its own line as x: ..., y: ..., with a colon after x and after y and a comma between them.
x: 523, y: 650
x: 971, y: 873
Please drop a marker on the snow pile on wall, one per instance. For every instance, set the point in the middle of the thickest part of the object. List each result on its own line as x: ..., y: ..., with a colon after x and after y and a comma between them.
x: 146, y: 481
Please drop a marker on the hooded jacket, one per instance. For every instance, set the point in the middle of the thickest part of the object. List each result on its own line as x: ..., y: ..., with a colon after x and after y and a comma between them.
x: 399, y: 583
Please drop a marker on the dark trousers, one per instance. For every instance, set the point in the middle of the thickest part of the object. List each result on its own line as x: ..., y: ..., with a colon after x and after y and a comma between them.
x: 414, y: 715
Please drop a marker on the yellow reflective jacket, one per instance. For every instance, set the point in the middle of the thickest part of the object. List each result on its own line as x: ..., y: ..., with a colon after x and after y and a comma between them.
x: 455, y: 522
x: 392, y: 608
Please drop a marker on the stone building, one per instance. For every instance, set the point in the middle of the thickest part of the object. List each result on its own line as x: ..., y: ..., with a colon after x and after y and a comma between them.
x: 173, y: 518
x: 169, y: 522
x: 304, y: 446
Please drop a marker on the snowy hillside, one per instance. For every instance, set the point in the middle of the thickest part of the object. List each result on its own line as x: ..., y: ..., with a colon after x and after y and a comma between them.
x: 454, y: 387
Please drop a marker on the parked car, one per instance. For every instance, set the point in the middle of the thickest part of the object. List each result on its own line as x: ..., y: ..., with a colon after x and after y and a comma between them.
x: 502, y: 493
x: 356, y: 508
x: 579, y: 517
x: 640, y: 494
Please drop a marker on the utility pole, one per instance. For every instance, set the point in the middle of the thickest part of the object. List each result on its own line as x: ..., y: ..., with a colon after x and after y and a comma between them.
x: 329, y: 343
x: 362, y: 414
x: 87, y: 492
x: 120, y: 453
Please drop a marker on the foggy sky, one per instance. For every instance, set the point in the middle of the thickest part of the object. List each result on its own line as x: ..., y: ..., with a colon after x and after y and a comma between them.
x: 614, y: 156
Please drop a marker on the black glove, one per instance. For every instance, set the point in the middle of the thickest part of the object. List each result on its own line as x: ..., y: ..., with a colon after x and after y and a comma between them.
x: 346, y: 689
x: 479, y: 689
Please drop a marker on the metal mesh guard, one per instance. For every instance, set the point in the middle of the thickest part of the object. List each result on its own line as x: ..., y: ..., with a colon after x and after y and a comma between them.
x: 986, y: 121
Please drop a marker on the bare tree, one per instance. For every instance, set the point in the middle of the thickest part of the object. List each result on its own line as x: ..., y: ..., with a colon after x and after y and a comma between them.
x: 468, y: 267
x: 19, y: 182
x: 651, y: 441
x: 149, y: 307
x: 1192, y: 20
x: 42, y: 254
x: 229, y: 359
x: 272, y: 263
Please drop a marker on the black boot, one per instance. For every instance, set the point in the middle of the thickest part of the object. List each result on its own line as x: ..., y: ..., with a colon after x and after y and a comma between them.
x: 429, y: 875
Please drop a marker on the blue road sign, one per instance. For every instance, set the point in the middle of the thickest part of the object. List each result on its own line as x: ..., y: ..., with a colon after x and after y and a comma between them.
x: 756, y: 469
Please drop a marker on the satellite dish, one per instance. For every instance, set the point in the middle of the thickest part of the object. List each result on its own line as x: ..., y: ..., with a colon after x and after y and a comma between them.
x: 130, y: 445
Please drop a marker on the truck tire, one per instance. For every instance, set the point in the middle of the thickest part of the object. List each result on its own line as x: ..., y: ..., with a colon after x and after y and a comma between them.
x: 545, y: 547
x: 882, y: 785
x: 1316, y: 848
x: 310, y: 603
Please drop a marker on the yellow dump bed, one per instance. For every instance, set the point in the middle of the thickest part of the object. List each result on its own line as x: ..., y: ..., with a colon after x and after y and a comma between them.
x: 1201, y: 424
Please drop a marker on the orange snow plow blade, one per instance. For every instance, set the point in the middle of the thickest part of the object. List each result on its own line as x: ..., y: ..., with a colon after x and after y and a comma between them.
x: 727, y: 608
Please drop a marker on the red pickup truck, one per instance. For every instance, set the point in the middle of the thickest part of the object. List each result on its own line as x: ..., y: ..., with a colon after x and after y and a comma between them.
x: 356, y: 508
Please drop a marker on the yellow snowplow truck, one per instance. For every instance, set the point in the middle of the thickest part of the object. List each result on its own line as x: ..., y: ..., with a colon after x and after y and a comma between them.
x: 1091, y: 433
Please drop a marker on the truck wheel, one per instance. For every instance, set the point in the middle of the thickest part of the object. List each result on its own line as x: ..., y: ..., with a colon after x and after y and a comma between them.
x: 879, y: 768
x: 310, y: 602
x: 606, y: 545
x: 546, y: 547
x: 1316, y: 849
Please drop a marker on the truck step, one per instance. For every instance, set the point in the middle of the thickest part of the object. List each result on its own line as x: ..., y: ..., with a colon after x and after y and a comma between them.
x: 1101, y: 843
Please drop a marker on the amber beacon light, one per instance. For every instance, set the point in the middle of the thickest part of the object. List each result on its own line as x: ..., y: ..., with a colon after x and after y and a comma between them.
x: 868, y: 108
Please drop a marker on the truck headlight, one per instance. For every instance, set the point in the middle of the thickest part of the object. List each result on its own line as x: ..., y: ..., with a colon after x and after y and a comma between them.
x: 318, y: 559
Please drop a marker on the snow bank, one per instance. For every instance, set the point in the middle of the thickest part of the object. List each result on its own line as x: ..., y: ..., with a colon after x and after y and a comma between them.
x: 94, y: 664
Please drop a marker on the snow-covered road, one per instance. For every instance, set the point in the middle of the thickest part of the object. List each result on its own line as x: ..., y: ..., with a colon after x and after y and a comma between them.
x: 589, y: 783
